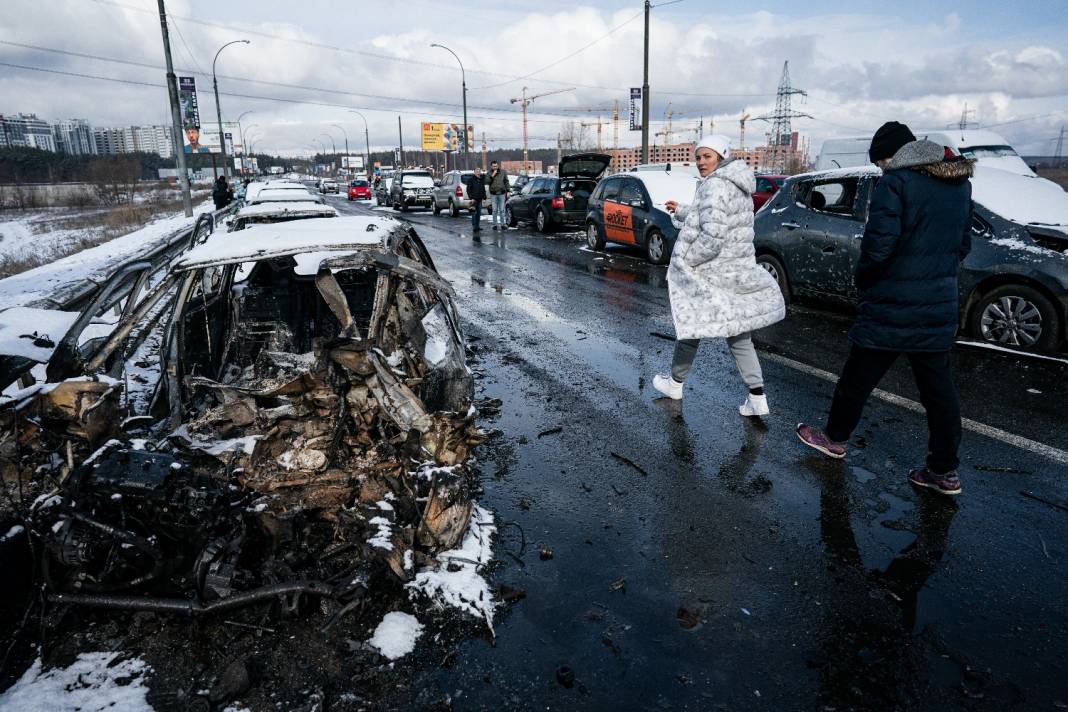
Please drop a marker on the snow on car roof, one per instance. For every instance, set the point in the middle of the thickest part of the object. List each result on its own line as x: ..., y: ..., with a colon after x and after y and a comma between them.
x: 286, y: 208
x: 1022, y: 199
x: 847, y: 172
x: 271, y: 195
x: 258, y: 242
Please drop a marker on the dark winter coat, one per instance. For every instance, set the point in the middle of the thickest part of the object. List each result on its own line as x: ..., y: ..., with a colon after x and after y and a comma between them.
x: 476, y: 188
x: 918, y: 232
x: 498, y: 182
x: 222, y: 194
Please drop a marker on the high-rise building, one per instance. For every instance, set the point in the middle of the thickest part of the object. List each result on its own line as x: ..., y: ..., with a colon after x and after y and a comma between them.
x: 112, y: 141
x: 154, y: 139
x: 75, y: 137
x: 26, y: 130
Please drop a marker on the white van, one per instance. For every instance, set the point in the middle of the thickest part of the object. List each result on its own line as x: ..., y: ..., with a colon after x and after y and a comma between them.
x: 986, y: 147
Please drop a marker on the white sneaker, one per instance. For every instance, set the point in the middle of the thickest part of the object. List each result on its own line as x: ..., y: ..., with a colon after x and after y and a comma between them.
x: 668, y: 386
x: 754, y: 405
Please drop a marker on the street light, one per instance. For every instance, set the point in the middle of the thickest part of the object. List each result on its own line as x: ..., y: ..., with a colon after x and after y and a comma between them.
x: 244, y: 146
x: 366, y: 138
x: 346, y: 134
x: 218, y: 109
x: 463, y: 79
x: 334, y: 145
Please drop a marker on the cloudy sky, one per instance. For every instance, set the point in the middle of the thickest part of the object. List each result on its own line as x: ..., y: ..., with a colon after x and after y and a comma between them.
x: 862, y: 62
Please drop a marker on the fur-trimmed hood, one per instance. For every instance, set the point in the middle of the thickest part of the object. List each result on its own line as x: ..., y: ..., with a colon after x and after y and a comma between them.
x: 928, y: 157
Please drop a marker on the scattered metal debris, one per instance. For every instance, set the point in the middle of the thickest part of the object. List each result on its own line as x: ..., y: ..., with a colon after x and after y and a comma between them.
x: 627, y: 461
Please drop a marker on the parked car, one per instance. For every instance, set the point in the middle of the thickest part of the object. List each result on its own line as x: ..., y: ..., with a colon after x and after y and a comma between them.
x: 628, y: 209
x: 451, y: 193
x: 551, y: 201
x: 411, y: 189
x: 382, y: 191
x: 275, y: 212
x: 1013, y: 285
x: 329, y: 185
x: 766, y: 187
x: 516, y: 183
x: 359, y: 189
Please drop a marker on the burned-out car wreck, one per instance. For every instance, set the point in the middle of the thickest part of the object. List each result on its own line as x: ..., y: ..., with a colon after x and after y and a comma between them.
x: 303, y: 436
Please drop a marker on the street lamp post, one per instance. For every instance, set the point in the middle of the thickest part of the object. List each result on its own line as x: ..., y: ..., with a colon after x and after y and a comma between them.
x: 241, y: 133
x: 367, y: 140
x: 218, y: 109
x: 463, y: 80
x: 334, y: 145
x: 244, y: 141
x: 321, y: 145
x: 346, y: 135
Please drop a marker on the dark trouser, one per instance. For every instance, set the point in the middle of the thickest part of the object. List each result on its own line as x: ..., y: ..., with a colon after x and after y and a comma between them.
x: 476, y: 215
x: 934, y: 377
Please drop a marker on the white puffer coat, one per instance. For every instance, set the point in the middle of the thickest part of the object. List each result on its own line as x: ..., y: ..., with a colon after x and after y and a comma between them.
x: 716, y: 286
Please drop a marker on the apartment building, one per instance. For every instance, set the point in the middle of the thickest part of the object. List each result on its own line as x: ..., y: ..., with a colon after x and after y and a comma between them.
x: 74, y: 137
x: 26, y: 131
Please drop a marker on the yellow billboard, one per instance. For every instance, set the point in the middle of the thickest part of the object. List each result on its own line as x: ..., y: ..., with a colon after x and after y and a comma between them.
x: 445, y: 137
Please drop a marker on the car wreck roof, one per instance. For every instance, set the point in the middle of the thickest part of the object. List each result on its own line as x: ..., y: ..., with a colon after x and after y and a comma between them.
x: 286, y: 208
x: 273, y: 195
x: 258, y: 242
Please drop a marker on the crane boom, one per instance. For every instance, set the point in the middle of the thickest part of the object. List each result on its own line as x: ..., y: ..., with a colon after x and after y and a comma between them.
x: 524, y: 101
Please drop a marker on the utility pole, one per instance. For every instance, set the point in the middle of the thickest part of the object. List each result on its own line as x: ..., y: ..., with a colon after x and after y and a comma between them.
x: 645, y: 90
x: 400, y: 138
x: 1058, y: 155
x: 176, y: 115
x: 559, y: 151
x: 525, y: 101
x: 780, y: 120
x: 346, y: 135
x: 484, y: 151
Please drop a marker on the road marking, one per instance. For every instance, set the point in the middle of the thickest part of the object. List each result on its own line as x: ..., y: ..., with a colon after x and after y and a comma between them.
x: 1018, y: 441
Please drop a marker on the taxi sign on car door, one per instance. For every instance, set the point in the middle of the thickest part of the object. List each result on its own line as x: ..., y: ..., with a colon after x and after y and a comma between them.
x: 618, y: 222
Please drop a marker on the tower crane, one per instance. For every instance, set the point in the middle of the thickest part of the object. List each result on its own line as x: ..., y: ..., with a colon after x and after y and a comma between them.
x: 525, y: 101
x: 741, y: 137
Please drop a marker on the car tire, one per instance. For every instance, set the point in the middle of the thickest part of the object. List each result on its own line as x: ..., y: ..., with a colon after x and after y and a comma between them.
x: 1017, y: 316
x: 656, y: 250
x: 509, y: 217
x: 437, y: 208
x: 594, y: 238
x: 403, y: 206
x: 454, y: 209
x: 542, y: 222
x: 773, y: 266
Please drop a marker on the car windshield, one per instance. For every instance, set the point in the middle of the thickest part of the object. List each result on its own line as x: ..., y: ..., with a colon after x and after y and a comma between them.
x: 418, y: 180
x: 987, y: 151
x: 359, y: 184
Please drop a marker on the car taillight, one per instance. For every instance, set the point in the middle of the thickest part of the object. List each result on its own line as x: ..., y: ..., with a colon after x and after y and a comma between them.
x: 459, y: 192
x: 558, y: 203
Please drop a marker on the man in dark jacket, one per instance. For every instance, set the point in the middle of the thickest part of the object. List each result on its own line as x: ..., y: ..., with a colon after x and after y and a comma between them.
x: 918, y: 232
x: 498, y: 190
x: 476, y: 191
x: 222, y: 193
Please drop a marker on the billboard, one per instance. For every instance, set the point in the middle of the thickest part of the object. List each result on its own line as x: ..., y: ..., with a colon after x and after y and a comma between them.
x: 635, y: 108
x: 187, y: 102
x: 206, y: 139
x: 446, y: 137
x: 352, y: 162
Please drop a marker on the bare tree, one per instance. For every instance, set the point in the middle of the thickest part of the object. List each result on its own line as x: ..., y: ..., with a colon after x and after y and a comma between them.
x: 576, y: 137
x: 114, y: 179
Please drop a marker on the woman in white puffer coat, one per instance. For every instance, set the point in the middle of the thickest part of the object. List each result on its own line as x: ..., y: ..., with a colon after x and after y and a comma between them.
x: 716, y: 287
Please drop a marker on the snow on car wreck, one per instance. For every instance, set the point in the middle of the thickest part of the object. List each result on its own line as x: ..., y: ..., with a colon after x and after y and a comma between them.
x: 306, y: 432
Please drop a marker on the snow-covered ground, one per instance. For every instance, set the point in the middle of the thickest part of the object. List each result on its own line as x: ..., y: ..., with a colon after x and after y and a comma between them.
x: 95, y: 682
x: 93, y: 263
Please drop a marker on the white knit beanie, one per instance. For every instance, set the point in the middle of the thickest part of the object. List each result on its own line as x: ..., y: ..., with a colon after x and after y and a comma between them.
x: 718, y: 143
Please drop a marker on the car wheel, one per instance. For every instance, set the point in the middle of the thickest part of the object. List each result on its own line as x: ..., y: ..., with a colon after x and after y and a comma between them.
x: 509, y: 218
x: 593, y: 236
x: 656, y: 248
x: 437, y: 208
x: 1017, y: 316
x: 454, y: 209
x: 541, y: 221
x: 774, y: 267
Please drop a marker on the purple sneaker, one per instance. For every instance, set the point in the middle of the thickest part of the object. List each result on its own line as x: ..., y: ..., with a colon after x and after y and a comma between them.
x: 947, y: 484
x: 817, y: 439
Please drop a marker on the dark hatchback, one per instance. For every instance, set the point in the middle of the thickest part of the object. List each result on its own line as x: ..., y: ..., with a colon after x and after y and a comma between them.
x: 550, y: 201
x: 628, y: 209
x: 1013, y: 285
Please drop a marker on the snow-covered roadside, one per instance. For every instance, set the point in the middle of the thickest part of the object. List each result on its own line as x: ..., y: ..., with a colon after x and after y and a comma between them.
x: 93, y: 263
x: 95, y: 682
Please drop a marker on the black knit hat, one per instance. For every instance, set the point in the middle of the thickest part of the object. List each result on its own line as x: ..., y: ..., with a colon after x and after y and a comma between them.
x: 890, y: 137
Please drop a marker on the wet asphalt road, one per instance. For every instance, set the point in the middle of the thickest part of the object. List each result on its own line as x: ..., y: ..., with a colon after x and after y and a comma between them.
x: 736, y: 569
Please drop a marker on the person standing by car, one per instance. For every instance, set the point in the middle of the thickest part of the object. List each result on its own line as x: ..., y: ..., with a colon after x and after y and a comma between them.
x: 715, y: 285
x: 918, y: 232
x: 498, y: 190
x: 476, y: 192
x: 222, y: 193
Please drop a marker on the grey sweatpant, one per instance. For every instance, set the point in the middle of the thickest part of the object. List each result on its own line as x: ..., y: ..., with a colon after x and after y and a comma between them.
x: 742, y: 349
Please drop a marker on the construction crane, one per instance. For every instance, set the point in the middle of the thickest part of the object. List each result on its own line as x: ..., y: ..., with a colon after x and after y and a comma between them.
x: 525, y: 101
x: 741, y: 132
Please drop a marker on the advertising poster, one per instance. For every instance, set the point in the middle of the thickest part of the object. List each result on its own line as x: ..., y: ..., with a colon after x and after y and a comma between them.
x: 446, y: 137
x: 206, y: 139
x: 635, y: 108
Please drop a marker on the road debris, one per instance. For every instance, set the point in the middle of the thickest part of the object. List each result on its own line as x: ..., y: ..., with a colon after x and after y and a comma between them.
x: 627, y: 461
x: 550, y: 431
x: 619, y: 584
